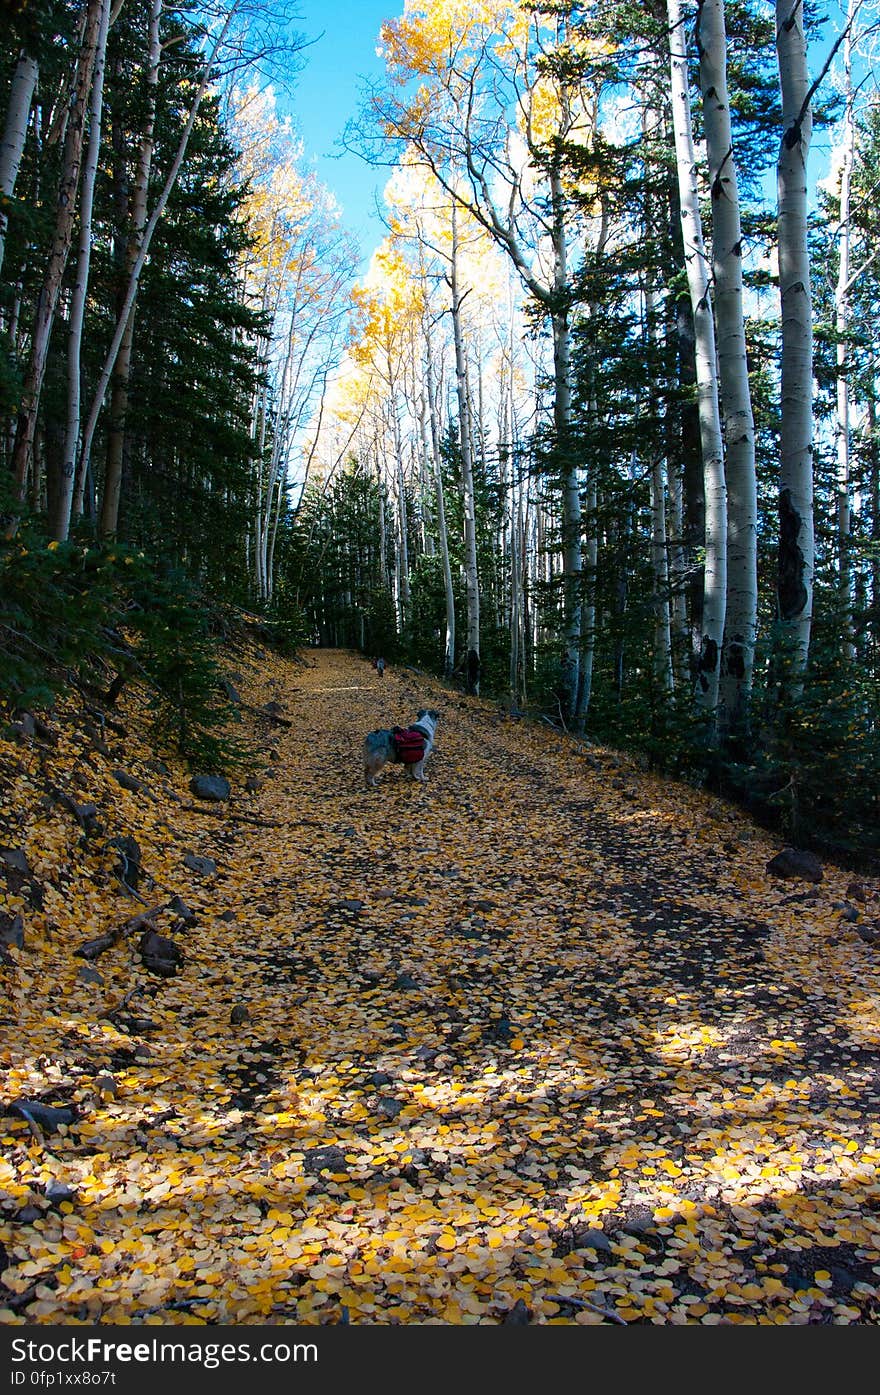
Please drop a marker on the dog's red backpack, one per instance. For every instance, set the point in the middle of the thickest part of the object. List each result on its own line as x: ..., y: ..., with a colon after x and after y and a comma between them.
x: 409, y: 744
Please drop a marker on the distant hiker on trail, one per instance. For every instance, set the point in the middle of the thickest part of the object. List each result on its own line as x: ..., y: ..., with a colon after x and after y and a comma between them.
x: 380, y: 667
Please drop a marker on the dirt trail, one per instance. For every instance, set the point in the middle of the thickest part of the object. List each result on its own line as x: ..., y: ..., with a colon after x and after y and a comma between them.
x: 539, y: 1039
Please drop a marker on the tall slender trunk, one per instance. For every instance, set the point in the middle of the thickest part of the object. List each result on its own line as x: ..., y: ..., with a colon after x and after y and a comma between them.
x: 274, y: 474
x: 383, y: 528
x: 872, y: 452
x: 426, y: 476
x: 621, y: 533
x: 402, y: 517
x: 679, y: 583
x: 11, y: 335
x: 442, y: 533
x: 738, y: 653
x: 587, y: 525
x: 259, y: 531
x: 24, y: 80
x: 110, y: 504
x: 60, y: 490
x: 660, y: 569
x: 678, y: 618
x: 796, y: 536
x: 266, y: 490
x: 62, y: 238
x: 270, y: 558
x: 715, y: 574
x: 688, y: 479
x: 118, y: 414
x: 527, y: 552
x: 518, y: 551
x: 543, y: 573
x: 841, y: 328
x: 471, y: 578
x: 572, y: 571
x: 662, y: 637
x: 259, y: 437
x: 518, y: 524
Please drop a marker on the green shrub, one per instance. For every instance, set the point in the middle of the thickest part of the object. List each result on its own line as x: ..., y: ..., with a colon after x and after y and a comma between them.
x: 178, y: 658
x: 380, y: 635
x: 813, y: 770
x: 284, y: 626
x: 79, y: 615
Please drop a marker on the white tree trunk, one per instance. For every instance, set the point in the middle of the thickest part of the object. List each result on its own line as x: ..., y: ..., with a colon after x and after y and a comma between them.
x: 62, y: 239
x: 471, y: 578
x: 570, y: 480
x: 270, y: 561
x: 24, y: 80
x: 841, y: 327
x: 60, y: 505
x: 268, y: 511
x: 662, y: 645
x: 116, y: 427
x: 402, y: 518
x: 442, y: 533
x: 426, y: 476
x: 660, y: 551
x: 738, y: 654
x: 677, y: 575
x: 588, y: 524
x: 588, y: 613
x: 715, y: 572
x: 872, y: 455
x: 664, y: 675
x: 110, y: 506
x: 796, y: 536
x: 660, y: 569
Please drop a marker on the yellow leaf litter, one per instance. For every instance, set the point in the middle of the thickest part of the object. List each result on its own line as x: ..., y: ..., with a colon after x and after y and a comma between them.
x: 540, y: 1029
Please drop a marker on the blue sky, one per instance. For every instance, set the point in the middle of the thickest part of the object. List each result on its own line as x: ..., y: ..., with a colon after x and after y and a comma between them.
x: 326, y: 95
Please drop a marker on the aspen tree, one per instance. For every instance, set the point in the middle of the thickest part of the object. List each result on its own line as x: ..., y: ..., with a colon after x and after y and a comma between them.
x: 796, y: 557
x: 841, y: 331
x: 122, y: 366
x: 61, y: 490
x: 109, y: 513
x: 471, y: 579
x: 481, y: 68
x: 741, y: 621
x: 696, y: 263
x: 442, y: 535
x: 62, y: 239
x: 21, y: 92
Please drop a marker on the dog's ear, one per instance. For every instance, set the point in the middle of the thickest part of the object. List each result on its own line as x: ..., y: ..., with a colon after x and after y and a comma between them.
x: 432, y: 712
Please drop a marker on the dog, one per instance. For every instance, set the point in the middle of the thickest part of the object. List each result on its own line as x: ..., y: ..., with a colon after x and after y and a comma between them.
x: 380, y: 748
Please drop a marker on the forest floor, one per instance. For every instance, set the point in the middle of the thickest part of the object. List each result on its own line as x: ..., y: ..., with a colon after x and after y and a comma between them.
x: 539, y: 1040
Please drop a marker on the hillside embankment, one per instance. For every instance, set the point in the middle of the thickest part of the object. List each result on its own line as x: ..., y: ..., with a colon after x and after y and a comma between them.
x: 540, y: 1040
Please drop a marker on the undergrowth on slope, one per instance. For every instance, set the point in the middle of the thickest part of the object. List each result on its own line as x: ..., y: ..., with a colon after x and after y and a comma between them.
x: 96, y: 617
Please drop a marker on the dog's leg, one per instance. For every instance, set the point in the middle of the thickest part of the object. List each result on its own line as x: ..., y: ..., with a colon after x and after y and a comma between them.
x: 418, y: 771
x: 373, y: 763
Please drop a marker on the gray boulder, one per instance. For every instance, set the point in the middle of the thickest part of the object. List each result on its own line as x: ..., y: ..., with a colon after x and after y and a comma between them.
x: 205, y: 866
x: 16, y: 859
x: 326, y: 1158
x: 214, y: 787
x: 794, y: 863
